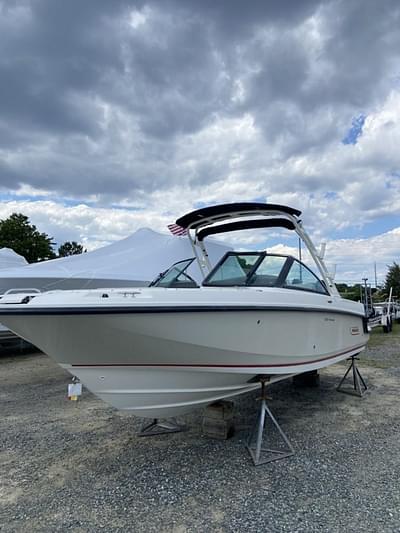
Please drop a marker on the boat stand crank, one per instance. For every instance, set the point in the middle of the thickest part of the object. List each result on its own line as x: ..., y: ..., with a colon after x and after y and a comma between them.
x: 255, y: 442
x: 359, y: 386
x: 160, y: 427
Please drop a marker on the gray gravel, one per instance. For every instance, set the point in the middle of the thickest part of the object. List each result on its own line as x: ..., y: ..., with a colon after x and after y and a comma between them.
x: 80, y: 466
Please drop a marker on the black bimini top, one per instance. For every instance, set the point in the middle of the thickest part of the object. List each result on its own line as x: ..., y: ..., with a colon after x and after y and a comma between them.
x: 216, y: 213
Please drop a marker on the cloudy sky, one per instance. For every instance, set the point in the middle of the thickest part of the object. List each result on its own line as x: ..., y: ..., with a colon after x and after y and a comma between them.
x: 121, y: 114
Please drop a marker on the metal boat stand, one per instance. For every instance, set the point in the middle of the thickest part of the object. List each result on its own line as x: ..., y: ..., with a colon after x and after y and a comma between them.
x: 359, y: 386
x: 160, y: 427
x: 255, y: 442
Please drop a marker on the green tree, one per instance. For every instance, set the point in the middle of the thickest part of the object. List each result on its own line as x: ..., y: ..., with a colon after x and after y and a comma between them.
x: 18, y: 233
x: 393, y: 280
x: 70, y: 248
x: 350, y: 292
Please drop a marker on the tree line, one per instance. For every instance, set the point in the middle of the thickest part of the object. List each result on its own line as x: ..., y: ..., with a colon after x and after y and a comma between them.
x: 17, y: 233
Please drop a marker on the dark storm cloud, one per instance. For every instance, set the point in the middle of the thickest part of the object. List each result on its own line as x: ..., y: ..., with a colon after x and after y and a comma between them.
x: 95, y: 102
x: 8, y: 177
x: 173, y: 83
x: 53, y: 54
x: 235, y: 21
x: 347, y: 74
x: 40, y: 105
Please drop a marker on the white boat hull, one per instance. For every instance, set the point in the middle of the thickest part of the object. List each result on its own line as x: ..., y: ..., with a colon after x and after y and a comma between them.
x: 160, y: 392
x: 158, y: 364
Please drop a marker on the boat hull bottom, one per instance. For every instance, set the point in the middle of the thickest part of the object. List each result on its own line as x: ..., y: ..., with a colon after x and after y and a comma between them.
x: 162, y: 391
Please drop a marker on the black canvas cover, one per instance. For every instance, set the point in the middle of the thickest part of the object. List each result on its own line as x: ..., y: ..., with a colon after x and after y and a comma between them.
x: 196, y: 218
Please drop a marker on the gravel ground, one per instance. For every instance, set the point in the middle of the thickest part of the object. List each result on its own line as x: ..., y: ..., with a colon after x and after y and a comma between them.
x: 80, y: 466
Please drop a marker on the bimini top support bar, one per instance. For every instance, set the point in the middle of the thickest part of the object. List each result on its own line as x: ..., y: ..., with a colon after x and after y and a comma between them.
x: 330, y: 284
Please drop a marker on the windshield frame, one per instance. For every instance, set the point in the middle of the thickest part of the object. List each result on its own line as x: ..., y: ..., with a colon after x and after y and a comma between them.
x: 157, y: 280
x: 281, y: 278
x: 260, y: 255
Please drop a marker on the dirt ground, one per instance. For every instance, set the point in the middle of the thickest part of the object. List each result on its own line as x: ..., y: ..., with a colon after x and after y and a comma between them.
x: 81, y: 466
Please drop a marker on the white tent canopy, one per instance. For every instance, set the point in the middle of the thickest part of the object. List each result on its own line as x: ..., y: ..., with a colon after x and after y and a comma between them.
x: 10, y: 259
x: 133, y: 261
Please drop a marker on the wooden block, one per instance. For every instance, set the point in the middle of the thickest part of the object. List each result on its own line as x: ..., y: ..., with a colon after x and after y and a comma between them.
x: 220, y: 410
x: 218, y: 428
x: 307, y: 379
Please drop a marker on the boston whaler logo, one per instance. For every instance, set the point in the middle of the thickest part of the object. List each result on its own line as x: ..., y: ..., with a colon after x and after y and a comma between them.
x: 355, y: 330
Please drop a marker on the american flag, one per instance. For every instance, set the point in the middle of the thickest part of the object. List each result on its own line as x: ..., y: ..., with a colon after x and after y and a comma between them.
x: 177, y: 230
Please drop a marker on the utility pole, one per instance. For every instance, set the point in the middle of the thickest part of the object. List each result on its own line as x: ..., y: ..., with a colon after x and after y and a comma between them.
x: 376, y: 278
x: 366, y: 306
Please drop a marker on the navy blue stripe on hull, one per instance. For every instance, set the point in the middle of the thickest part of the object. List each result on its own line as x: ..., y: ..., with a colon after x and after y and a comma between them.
x: 123, y: 310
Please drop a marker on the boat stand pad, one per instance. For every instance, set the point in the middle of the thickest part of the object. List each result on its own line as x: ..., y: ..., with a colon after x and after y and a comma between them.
x: 359, y: 386
x: 255, y: 442
x: 160, y: 427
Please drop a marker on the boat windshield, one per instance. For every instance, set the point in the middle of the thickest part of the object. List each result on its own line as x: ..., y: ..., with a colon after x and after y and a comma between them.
x: 259, y: 269
x: 175, y: 276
